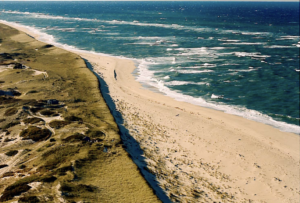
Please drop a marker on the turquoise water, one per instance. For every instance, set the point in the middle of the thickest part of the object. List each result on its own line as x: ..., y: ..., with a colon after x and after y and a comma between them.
x: 241, y: 58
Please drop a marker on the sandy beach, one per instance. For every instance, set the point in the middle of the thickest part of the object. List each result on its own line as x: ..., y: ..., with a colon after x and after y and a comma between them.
x: 200, y: 154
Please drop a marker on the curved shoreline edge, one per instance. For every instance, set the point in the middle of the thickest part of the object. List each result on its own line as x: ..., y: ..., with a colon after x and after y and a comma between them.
x: 204, y: 151
x: 249, y: 114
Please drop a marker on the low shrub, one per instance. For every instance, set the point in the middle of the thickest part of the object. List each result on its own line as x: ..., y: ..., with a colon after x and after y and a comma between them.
x: 58, y: 124
x: 11, y: 111
x: 32, y: 120
x: 14, y: 190
x: 35, y: 134
x: 29, y: 199
x: 96, y: 134
x: 47, y: 112
x: 11, y: 153
x: 3, y: 166
x: 74, y: 138
x: 9, y: 125
x: 48, y: 179
x: 73, y: 118
x: 7, y: 174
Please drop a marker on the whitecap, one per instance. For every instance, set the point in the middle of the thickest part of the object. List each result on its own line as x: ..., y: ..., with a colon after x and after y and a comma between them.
x: 213, y: 96
x: 194, y: 71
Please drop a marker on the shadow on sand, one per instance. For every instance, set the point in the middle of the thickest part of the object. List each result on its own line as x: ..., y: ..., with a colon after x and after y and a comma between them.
x: 130, y: 144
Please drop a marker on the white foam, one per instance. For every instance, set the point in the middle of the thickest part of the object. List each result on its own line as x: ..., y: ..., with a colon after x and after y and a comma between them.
x: 245, y: 43
x: 177, y: 83
x: 255, y: 33
x: 229, y: 40
x: 279, y: 46
x: 253, y: 54
x: 146, y: 76
x: 245, y: 70
x: 194, y: 71
x: 137, y: 23
x: 213, y: 96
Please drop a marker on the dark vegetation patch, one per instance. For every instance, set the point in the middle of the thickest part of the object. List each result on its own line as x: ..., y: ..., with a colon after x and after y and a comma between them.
x: 62, y: 171
x: 35, y: 134
x: 47, y: 112
x: 48, y: 46
x: 71, y: 190
x: 58, y: 124
x: 96, y: 134
x: 11, y: 111
x: 11, y: 153
x: 1, y: 81
x: 52, y: 140
x: 32, y: 120
x: 32, y: 92
x: 18, y: 66
x: 7, y: 174
x: 78, y: 100
x: 29, y: 199
x: 9, y: 125
x: 22, y: 166
x: 8, y: 140
x: 48, y: 179
x: 3, y: 166
x: 74, y: 138
x: 56, y: 156
x: 8, y: 100
x: 2, y: 119
x: 35, y: 109
x: 17, y: 188
x: 73, y: 118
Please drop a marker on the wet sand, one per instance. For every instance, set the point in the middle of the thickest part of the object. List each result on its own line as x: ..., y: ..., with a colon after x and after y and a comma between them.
x: 199, y: 154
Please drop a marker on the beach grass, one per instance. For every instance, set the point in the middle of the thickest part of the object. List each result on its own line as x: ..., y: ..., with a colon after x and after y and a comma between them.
x: 55, y: 126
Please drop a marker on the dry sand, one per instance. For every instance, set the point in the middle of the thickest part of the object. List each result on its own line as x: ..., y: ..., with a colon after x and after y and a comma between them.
x: 200, y: 154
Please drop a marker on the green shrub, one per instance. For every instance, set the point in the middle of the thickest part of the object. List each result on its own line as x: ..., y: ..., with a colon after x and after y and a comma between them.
x: 9, y: 125
x: 3, y: 166
x: 11, y: 111
x: 35, y: 134
x: 73, y: 118
x: 58, y: 124
x: 14, y: 190
x: 32, y: 120
x: 47, y: 112
x: 11, y: 153
x: 29, y: 199
x: 74, y: 138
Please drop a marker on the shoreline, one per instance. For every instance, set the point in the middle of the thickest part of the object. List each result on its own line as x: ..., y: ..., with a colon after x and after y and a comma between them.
x: 232, y: 110
x: 208, y: 153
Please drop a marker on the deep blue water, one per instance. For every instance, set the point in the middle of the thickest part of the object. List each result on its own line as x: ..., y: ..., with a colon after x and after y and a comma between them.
x: 238, y: 57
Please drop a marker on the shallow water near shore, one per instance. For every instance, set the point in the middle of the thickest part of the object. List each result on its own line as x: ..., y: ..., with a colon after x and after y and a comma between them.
x: 241, y: 58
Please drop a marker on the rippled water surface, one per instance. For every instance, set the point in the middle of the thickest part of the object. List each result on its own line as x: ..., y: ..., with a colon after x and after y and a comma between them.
x: 241, y: 58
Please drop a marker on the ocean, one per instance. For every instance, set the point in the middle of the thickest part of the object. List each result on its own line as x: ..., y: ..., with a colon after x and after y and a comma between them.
x: 238, y: 57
